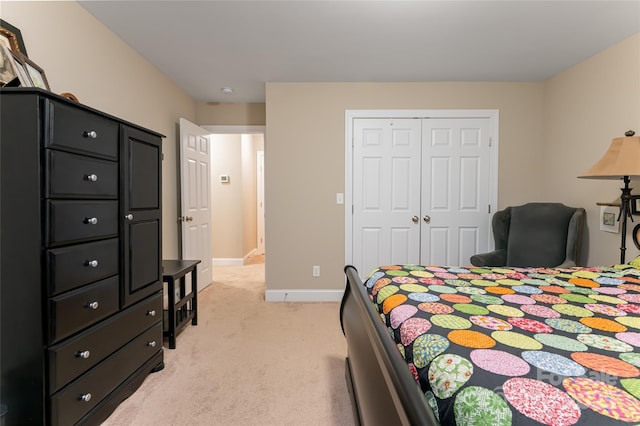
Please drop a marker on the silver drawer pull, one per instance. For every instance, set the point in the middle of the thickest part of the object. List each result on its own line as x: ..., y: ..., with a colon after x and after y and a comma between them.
x: 91, y: 134
x: 151, y: 313
x: 83, y: 354
x: 152, y: 344
x: 86, y: 397
x: 93, y: 305
x: 129, y: 216
x: 91, y: 220
x: 92, y: 177
x: 93, y: 263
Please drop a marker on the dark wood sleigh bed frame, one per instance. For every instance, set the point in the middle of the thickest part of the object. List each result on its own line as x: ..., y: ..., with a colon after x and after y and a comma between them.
x: 383, y: 390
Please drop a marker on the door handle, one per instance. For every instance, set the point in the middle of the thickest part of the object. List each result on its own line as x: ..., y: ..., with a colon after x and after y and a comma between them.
x: 415, y: 219
x: 426, y: 219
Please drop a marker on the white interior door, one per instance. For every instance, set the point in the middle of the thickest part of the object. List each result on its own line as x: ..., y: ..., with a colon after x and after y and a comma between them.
x: 195, y: 201
x: 455, y: 190
x: 386, y: 192
x: 260, y: 201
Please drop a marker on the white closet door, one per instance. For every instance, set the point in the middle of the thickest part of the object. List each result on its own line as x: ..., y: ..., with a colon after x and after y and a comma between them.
x: 455, y: 190
x: 386, y: 192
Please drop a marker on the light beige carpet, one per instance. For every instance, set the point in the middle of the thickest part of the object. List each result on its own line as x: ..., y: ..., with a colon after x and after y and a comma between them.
x: 248, y: 362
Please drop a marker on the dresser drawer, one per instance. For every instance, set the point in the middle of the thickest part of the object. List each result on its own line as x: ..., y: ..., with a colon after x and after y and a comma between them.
x: 80, y: 396
x: 81, y: 131
x: 74, y: 221
x: 80, y: 264
x: 78, y: 309
x: 70, y: 359
x: 77, y: 176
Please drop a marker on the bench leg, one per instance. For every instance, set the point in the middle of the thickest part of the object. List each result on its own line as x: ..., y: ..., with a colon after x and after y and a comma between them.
x: 194, y: 301
x: 171, y: 317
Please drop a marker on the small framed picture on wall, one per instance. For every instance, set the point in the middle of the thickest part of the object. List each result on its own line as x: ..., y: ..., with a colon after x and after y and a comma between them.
x: 635, y: 204
x: 609, y: 219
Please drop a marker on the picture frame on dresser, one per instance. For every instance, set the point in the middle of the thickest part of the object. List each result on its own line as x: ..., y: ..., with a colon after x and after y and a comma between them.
x: 11, y: 36
x: 8, y: 67
x: 23, y: 74
x: 36, y: 74
x: 12, y: 71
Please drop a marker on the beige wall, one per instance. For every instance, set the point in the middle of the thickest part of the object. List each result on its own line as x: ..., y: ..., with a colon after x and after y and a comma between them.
x: 234, y: 203
x: 80, y: 55
x: 226, y: 198
x: 585, y: 107
x: 305, y: 151
x: 230, y: 114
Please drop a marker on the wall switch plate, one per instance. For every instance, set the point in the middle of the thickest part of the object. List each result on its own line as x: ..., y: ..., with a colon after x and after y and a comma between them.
x: 316, y: 271
x: 339, y: 198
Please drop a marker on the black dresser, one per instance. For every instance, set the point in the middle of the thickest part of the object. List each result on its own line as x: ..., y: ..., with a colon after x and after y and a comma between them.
x: 80, y: 252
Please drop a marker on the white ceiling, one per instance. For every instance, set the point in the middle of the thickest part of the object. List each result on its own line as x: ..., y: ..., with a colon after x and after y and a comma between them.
x: 205, y: 45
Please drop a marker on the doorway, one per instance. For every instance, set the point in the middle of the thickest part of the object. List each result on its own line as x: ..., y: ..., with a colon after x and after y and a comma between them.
x: 237, y: 194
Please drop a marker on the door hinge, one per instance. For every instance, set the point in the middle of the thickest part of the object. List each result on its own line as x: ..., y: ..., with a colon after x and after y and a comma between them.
x: 489, y: 209
x: 490, y: 142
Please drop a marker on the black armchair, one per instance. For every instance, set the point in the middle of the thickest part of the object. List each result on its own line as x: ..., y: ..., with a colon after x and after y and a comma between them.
x: 535, y: 235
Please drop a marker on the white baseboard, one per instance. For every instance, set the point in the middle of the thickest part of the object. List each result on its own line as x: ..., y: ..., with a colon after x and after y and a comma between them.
x: 232, y: 261
x: 303, y: 295
x: 227, y: 261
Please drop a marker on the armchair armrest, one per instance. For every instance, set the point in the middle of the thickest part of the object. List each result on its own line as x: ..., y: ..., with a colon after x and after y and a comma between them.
x: 567, y: 264
x: 492, y: 258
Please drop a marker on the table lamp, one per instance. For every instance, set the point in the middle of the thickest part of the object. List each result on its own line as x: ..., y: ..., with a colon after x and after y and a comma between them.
x: 621, y: 161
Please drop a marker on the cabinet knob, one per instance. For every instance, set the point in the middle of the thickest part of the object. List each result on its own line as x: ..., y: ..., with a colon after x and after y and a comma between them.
x: 129, y: 216
x: 91, y: 134
x: 92, y: 177
x: 83, y: 354
x: 151, y: 313
x: 152, y: 344
x: 91, y: 220
x: 86, y: 397
x: 93, y: 305
x: 93, y: 263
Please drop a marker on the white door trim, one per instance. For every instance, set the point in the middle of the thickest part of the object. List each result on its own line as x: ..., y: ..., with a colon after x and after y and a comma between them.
x: 260, y: 201
x: 234, y: 130
x: 350, y: 115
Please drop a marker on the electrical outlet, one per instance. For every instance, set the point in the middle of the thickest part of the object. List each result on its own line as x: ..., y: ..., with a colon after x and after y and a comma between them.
x: 316, y: 271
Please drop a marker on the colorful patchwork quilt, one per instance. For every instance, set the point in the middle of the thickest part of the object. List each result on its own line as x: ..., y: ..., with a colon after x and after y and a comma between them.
x: 514, y: 346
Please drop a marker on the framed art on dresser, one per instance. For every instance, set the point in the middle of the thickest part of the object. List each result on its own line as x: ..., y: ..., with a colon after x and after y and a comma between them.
x: 12, y: 37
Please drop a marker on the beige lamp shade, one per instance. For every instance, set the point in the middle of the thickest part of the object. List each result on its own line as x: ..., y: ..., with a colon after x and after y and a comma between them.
x: 621, y: 159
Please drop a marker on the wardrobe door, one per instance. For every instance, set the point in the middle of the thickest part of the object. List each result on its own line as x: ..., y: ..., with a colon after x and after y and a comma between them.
x: 141, y: 214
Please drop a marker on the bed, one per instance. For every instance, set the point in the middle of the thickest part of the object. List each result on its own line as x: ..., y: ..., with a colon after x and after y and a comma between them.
x: 431, y: 345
